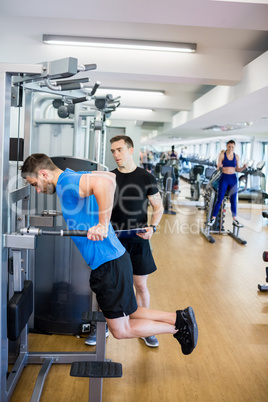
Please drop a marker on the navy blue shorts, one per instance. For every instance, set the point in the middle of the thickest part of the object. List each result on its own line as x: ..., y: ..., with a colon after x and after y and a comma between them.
x: 113, y: 284
x: 140, y: 255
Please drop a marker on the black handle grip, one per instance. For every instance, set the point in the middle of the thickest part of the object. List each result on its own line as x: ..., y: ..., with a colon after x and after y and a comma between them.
x: 79, y: 100
x: 69, y: 87
x: 94, y: 89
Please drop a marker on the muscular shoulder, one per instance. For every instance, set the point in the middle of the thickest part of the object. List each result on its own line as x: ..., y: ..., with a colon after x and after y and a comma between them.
x: 91, y: 181
x: 69, y: 177
x: 143, y: 176
x: 139, y: 174
x: 143, y: 173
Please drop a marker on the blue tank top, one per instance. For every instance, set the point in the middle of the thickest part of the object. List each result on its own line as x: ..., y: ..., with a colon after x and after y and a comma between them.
x: 227, y: 163
x: 81, y: 214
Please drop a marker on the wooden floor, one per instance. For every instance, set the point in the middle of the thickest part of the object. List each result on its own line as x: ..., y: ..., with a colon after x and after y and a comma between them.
x: 219, y: 281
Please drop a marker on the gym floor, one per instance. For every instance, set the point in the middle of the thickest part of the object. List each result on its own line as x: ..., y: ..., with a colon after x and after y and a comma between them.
x: 220, y: 281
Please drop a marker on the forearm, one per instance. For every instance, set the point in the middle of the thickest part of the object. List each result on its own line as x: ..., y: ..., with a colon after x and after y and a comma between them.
x: 157, y: 215
x: 157, y: 209
x: 240, y: 169
x: 220, y: 159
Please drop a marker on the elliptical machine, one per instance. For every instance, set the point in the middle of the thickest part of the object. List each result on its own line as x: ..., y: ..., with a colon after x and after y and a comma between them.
x: 195, y: 181
x: 168, y: 184
x: 252, y: 183
x: 210, y: 200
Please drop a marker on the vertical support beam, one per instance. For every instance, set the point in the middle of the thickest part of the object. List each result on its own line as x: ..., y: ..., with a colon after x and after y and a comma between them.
x: 97, y: 146
x: 103, y: 145
x: 17, y: 269
x: 78, y: 134
x: 28, y: 122
x: 5, y: 105
x: 95, y: 384
x: 98, y: 136
x: 87, y: 137
x: 6, y: 73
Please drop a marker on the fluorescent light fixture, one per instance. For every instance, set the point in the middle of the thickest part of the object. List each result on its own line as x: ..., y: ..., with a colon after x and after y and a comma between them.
x: 131, y: 91
x: 131, y: 113
x: 119, y: 43
x: 228, y: 127
x: 133, y: 110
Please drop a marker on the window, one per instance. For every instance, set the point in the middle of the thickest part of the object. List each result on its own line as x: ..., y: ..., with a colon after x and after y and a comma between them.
x: 207, y: 150
x: 245, y: 152
x: 265, y: 159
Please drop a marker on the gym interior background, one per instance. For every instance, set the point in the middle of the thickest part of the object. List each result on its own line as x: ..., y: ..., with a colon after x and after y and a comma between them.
x: 194, y: 100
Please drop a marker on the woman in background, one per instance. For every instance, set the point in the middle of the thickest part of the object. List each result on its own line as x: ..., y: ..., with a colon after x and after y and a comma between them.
x: 229, y: 163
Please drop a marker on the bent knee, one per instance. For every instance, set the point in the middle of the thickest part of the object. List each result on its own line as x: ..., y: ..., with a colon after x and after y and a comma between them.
x: 118, y: 333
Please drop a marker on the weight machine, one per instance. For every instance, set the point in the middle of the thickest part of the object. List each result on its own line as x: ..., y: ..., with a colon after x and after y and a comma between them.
x: 23, y: 90
x: 264, y: 286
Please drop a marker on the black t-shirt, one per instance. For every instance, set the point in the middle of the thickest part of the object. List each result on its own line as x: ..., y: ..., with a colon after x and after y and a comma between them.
x: 130, y: 201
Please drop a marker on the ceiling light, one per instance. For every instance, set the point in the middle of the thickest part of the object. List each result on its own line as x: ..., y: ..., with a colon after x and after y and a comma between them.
x: 134, y: 91
x: 131, y: 113
x: 134, y: 110
x: 228, y: 127
x: 119, y: 43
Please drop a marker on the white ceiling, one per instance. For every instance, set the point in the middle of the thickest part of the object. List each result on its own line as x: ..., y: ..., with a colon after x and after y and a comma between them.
x: 229, y: 36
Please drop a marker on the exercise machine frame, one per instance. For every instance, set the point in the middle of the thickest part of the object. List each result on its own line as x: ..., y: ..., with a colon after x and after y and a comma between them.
x: 20, y: 247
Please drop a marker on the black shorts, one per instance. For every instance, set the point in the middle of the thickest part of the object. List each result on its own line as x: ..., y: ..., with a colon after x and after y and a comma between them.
x: 140, y: 254
x: 113, y: 284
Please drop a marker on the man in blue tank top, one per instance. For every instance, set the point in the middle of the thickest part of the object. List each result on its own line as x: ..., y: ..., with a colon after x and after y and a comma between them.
x: 229, y: 162
x: 87, y: 199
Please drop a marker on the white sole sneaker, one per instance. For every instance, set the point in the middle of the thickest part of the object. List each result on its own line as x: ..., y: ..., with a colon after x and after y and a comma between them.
x: 151, y: 341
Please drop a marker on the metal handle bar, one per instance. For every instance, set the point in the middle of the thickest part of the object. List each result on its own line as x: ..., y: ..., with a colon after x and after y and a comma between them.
x: 82, y: 233
x: 40, y: 232
x: 87, y: 67
x: 61, y: 82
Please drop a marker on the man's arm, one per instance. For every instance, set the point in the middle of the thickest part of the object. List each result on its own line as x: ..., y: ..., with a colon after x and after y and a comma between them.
x: 102, y: 186
x: 156, y: 203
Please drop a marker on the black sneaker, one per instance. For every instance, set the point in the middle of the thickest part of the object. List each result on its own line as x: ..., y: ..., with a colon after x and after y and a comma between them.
x: 187, y: 334
x: 237, y: 224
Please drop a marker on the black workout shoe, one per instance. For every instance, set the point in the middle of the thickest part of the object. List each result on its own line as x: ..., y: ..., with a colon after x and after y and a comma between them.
x: 187, y: 334
x: 211, y: 223
x: 236, y: 223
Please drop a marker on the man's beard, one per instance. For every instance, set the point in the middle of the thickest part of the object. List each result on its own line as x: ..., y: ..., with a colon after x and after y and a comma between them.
x: 50, y: 189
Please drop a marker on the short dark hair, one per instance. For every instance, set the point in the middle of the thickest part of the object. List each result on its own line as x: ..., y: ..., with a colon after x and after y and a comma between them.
x: 231, y: 142
x: 34, y: 163
x: 128, y: 140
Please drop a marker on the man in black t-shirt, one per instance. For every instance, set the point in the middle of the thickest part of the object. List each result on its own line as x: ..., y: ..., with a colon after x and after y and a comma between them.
x: 135, y: 188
